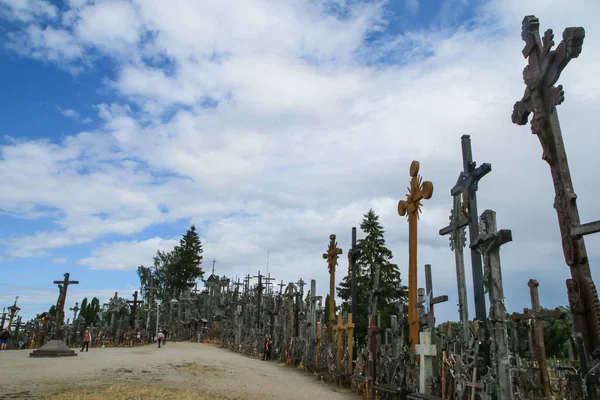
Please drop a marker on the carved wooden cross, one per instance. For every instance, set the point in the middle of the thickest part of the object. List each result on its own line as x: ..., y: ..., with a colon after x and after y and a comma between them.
x: 417, y: 191
x: 541, y: 98
x: 332, y: 260
x: 60, y: 306
x: 536, y: 314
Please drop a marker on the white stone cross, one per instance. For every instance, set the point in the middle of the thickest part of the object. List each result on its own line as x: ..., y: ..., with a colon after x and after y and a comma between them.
x: 426, y: 352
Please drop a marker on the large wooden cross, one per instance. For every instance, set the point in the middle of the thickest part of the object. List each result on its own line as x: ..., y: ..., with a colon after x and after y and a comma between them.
x: 60, y: 304
x: 134, y: 303
x: 536, y: 314
x: 417, y: 191
x: 332, y: 260
x: 541, y: 97
x: 466, y: 186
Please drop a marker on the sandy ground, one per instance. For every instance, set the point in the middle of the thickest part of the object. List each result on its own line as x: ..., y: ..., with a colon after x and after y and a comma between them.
x: 198, y: 367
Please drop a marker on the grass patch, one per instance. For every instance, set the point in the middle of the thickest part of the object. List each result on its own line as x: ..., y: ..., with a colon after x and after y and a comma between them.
x: 133, y: 392
x: 197, y: 368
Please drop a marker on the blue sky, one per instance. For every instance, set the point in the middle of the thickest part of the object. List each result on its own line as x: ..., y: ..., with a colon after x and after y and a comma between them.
x: 268, y: 127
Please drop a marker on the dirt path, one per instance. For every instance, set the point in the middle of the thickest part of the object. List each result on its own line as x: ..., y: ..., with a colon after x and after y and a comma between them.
x: 195, y: 367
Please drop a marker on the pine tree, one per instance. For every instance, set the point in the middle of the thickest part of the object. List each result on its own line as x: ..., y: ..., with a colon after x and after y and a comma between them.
x: 371, y: 252
x: 185, y: 268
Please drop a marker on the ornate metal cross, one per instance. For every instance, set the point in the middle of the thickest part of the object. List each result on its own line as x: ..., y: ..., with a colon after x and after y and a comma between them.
x: 332, y: 260
x: 541, y: 97
x: 456, y: 229
x: 75, y: 311
x: 60, y: 304
x: 417, y: 191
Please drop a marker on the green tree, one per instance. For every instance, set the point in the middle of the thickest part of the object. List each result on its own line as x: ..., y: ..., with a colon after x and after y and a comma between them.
x: 88, y: 313
x: 557, y: 332
x: 372, y: 251
x: 177, y: 270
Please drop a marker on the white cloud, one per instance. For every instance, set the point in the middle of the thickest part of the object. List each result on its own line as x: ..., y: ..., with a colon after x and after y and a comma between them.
x: 60, y: 260
x: 127, y: 255
x: 27, y: 10
x: 306, y: 136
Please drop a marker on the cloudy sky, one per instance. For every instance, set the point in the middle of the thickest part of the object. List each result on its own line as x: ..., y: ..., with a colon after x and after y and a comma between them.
x: 270, y: 125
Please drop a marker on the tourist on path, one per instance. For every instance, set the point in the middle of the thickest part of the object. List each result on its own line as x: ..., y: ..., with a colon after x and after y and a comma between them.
x: 166, y: 333
x: 269, y: 348
x: 265, y: 346
x: 160, y: 337
x: 86, y: 341
x: 4, y: 339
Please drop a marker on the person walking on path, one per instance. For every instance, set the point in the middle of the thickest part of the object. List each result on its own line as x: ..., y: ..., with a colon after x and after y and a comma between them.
x: 165, y: 334
x: 4, y: 339
x: 86, y: 341
x: 160, y: 337
x: 265, y: 347
x: 269, y: 348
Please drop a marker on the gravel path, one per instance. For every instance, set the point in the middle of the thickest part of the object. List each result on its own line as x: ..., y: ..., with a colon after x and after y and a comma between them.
x: 183, y: 365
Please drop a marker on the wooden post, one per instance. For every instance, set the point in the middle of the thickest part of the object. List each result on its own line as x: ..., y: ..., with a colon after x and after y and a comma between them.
x: 332, y: 260
x: 538, y: 351
x: 350, y: 327
x: 418, y: 191
x: 318, y: 346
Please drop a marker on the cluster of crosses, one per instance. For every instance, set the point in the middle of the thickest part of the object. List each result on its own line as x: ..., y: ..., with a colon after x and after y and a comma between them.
x: 483, y: 360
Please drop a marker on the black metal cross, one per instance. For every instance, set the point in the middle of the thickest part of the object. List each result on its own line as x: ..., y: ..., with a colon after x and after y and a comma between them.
x: 134, y: 303
x: 467, y: 185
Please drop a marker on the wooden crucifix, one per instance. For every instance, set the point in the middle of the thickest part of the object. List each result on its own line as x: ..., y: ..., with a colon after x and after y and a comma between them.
x: 332, y: 260
x: 417, y: 191
x: 134, y: 303
x: 466, y: 186
x: 541, y: 97
x: 536, y: 314
x: 60, y: 304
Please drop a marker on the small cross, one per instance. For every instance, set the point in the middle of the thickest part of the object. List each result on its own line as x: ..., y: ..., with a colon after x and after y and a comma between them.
x: 213, y: 263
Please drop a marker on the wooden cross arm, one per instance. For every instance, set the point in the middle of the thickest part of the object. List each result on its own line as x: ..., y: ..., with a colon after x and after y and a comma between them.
x: 439, y: 299
x: 67, y: 282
